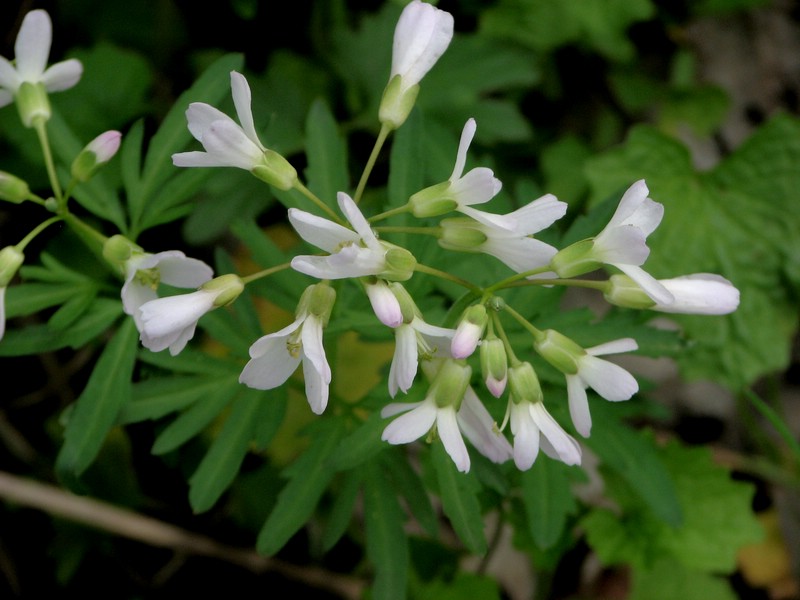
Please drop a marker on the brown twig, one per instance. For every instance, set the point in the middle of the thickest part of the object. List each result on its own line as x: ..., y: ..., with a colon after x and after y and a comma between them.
x: 148, y: 530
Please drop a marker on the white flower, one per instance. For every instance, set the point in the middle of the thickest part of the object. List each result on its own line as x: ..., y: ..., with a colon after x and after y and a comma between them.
x: 227, y: 143
x: 384, y: 303
x: 412, y: 340
x: 353, y: 253
x: 609, y: 380
x: 32, y: 50
x: 699, y: 294
x: 533, y: 427
x: 461, y: 191
x: 479, y: 428
x: 170, y: 322
x: 2, y: 311
x: 10, y: 261
x: 507, y: 237
x: 274, y: 357
x: 445, y: 395
x: 421, y: 36
x: 144, y: 271
x: 623, y: 242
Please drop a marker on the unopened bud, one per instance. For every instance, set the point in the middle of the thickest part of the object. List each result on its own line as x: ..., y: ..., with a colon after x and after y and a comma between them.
x: 524, y: 384
x: 276, y: 171
x: 559, y: 351
x: 228, y: 288
x: 96, y: 153
x: 32, y: 103
x: 13, y: 189
x: 10, y: 261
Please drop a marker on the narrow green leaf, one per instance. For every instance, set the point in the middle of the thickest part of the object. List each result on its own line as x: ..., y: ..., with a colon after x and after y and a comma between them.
x: 72, y: 309
x: 387, y: 543
x: 30, y: 298
x: 155, y: 398
x: 270, y: 416
x: 362, y: 444
x: 459, y: 500
x: 344, y: 501
x: 42, y: 338
x: 191, y: 361
x: 195, y: 418
x: 96, y: 410
x: 326, y: 152
x: 222, y: 461
x: 131, y: 160
x: 408, y: 484
x: 548, y: 500
x: 309, y: 475
x: 171, y: 198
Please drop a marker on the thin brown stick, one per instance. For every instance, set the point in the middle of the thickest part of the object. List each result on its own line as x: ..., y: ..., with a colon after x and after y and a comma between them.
x: 153, y: 532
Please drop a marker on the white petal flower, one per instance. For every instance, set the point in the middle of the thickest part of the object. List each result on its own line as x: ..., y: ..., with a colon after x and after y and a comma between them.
x: 421, y: 36
x: 274, y: 357
x: 384, y: 303
x: 354, y: 253
x: 411, y: 340
x: 533, y: 427
x: 480, y: 429
x: 32, y: 50
x: 144, y: 271
x: 609, y: 380
x: 2, y: 311
x: 700, y: 294
x: 170, y: 322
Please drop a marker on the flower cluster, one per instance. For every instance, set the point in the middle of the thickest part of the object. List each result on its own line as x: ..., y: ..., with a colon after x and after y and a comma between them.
x: 458, y: 362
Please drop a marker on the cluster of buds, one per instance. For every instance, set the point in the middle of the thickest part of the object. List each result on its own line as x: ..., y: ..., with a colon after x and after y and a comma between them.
x: 449, y: 358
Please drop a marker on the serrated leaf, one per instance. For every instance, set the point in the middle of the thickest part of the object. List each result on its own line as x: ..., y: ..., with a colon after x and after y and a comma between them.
x: 387, y: 543
x: 309, y: 476
x: 459, y: 501
x: 96, y: 410
x: 192, y: 421
x: 548, y: 500
x: 749, y: 201
x: 221, y: 463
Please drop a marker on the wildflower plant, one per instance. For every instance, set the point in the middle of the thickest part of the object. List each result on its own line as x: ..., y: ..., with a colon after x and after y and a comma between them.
x: 477, y: 379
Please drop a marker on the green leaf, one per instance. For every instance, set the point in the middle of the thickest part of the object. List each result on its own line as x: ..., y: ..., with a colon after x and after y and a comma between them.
x: 749, y: 201
x: 42, y: 338
x: 387, y: 542
x: 96, y: 410
x: 548, y: 500
x: 72, y: 309
x: 157, y: 397
x: 195, y: 418
x: 344, y: 502
x: 327, y: 154
x: 458, y: 491
x: 131, y: 159
x: 633, y: 455
x: 221, y: 463
x: 308, y: 477
x: 30, y: 298
x: 409, y: 485
x: 362, y: 444
x: 669, y: 579
x: 463, y: 585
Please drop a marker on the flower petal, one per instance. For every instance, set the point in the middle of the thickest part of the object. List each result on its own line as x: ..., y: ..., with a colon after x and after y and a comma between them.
x: 384, y: 303
x: 479, y: 428
x: 181, y: 271
x: 62, y: 75
x: 313, y: 348
x: 228, y: 142
x: 565, y: 446
x: 609, y: 380
x: 9, y: 79
x: 357, y: 220
x: 322, y: 233
x: 579, y: 405
x: 700, y: 294
x: 467, y: 133
x: 316, y: 387
x: 478, y: 186
x: 447, y: 426
x: 651, y: 286
x: 412, y: 425
x: 404, y: 365
x: 32, y: 47
x: 200, y: 116
x: 242, y: 101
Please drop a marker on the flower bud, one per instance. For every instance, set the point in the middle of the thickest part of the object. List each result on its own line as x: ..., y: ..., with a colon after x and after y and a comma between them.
x: 559, y: 351
x: 469, y: 331
x: 462, y: 234
x: 318, y: 300
x: 433, y: 201
x: 524, y: 384
x: 494, y: 365
x: 13, y: 189
x: 624, y: 291
x: 276, y: 171
x: 10, y: 261
x: 96, y: 153
x: 400, y: 263
x: 397, y: 102
x: 32, y: 103
x: 118, y: 249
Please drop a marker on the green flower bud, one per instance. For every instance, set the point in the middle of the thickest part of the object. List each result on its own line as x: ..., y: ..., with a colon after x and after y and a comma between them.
x: 32, y: 103
x: 461, y: 234
x: 11, y: 260
x: 396, y: 103
x: 576, y: 259
x: 96, y: 153
x: 276, y: 171
x: 494, y: 364
x: 433, y: 201
x: 407, y: 306
x: 317, y: 300
x: 559, y: 351
x: 13, y: 189
x: 229, y: 287
x: 118, y: 249
x: 524, y: 384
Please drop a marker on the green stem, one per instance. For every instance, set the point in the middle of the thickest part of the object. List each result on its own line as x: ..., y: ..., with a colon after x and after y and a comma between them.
x: 501, y: 333
x: 434, y: 231
x: 316, y: 200
x: 584, y: 283
x: 90, y: 236
x: 509, y: 280
x: 775, y: 420
x: 265, y: 273
x: 399, y: 210
x: 36, y: 231
x: 41, y: 132
x: 384, y: 133
x: 449, y: 277
x: 537, y: 334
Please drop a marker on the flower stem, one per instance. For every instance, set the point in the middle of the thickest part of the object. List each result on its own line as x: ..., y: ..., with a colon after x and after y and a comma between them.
x: 509, y: 280
x: 316, y: 200
x: 500, y: 331
x: 265, y: 273
x: 41, y: 132
x: 399, y: 210
x: 434, y: 231
x: 537, y: 334
x: 36, y: 231
x: 384, y: 133
x: 449, y: 277
x: 584, y: 283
